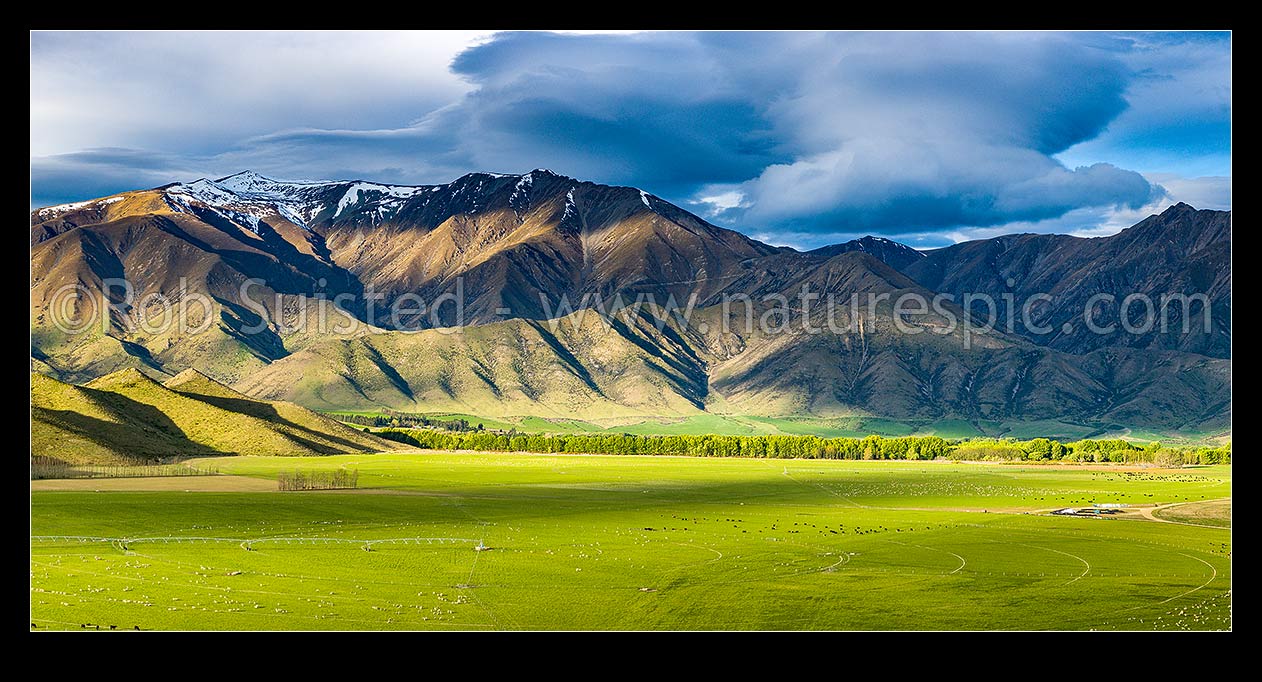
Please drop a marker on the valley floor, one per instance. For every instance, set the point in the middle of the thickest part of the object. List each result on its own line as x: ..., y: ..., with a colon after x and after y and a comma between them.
x: 592, y: 542
x: 188, y: 484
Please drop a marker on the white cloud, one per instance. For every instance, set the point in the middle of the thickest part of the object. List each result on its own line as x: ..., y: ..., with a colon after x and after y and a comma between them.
x: 1205, y: 192
x: 715, y: 202
x: 202, y: 92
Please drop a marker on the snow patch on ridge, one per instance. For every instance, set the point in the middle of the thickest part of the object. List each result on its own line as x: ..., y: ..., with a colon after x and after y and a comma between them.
x: 519, y: 200
x: 289, y: 214
x: 361, y: 191
x: 51, y: 211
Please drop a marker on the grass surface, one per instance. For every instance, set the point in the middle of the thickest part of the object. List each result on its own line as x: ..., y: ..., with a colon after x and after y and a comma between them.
x: 639, y: 543
x: 1213, y: 513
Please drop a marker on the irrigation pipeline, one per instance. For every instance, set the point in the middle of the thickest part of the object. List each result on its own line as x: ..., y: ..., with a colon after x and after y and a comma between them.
x: 247, y: 543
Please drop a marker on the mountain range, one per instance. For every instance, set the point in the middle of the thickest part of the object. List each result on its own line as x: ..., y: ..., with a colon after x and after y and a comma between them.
x: 502, y: 286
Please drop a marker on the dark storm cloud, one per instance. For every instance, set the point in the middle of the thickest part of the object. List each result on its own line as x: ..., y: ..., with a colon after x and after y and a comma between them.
x: 870, y: 131
x: 63, y: 178
x: 654, y: 111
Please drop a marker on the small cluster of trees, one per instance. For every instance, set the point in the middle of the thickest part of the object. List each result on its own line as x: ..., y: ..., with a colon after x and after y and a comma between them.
x: 1010, y: 449
x: 398, y: 419
x: 335, y: 479
x: 814, y: 447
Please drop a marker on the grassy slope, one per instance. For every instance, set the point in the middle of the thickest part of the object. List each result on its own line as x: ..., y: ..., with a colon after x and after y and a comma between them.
x: 299, y: 422
x: 514, y: 367
x: 577, y: 541
x: 127, y: 415
x: 83, y: 425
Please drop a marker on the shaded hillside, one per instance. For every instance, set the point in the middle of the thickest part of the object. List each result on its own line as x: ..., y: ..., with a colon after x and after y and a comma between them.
x: 1181, y: 251
x: 126, y: 416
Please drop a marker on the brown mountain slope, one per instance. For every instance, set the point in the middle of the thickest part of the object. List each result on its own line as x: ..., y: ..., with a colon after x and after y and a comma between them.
x: 527, y: 246
x: 173, y: 262
x: 505, y: 241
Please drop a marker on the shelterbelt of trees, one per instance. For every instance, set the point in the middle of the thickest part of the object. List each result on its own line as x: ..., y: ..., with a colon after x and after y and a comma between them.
x: 814, y: 447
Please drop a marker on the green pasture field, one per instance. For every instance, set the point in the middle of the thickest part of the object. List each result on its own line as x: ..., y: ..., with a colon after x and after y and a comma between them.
x: 608, y: 542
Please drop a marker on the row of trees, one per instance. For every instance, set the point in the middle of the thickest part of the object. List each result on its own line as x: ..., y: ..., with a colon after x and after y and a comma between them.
x: 812, y: 447
x: 773, y: 447
x: 51, y: 467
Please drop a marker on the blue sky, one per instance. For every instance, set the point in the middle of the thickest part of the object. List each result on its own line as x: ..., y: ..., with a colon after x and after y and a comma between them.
x: 799, y: 139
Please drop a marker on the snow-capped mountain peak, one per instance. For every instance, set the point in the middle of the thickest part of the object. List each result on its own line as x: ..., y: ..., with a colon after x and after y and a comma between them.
x: 247, y: 198
x: 386, y: 196
x: 205, y: 191
x: 249, y: 183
